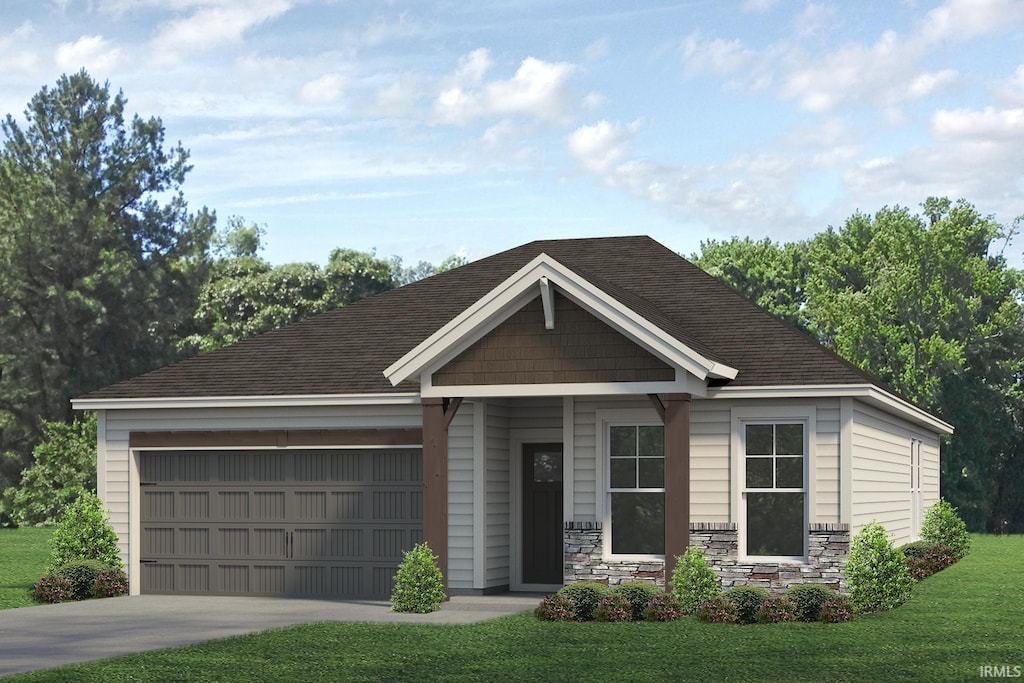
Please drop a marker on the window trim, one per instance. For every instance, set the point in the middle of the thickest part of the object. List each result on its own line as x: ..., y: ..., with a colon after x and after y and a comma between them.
x: 605, y: 419
x: 740, y: 417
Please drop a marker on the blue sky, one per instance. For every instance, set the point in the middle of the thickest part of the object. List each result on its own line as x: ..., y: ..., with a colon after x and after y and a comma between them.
x: 426, y: 128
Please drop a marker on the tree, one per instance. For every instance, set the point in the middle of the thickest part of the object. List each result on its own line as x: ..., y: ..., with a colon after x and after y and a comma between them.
x: 63, y: 468
x: 100, y: 261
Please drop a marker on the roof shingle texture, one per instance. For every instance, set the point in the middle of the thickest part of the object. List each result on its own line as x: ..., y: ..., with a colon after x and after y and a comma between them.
x: 345, y: 351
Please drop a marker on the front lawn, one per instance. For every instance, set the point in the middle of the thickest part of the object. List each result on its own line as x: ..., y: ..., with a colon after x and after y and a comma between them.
x: 964, y: 618
x: 23, y: 556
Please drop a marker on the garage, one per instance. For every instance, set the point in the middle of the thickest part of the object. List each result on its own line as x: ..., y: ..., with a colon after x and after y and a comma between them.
x: 325, y: 523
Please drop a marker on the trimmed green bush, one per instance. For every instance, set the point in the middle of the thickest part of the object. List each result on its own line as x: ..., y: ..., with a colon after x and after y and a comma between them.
x: 556, y: 607
x: 663, y: 607
x: 585, y: 596
x: 693, y: 580
x: 775, y: 611
x: 639, y: 595
x: 419, y: 586
x: 875, y: 571
x: 915, y: 549
x: 942, y: 526
x: 808, y: 599
x: 717, y: 610
x: 81, y: 574
x: 748, y: 600
x: 613, y: 607
x: 83, y: 533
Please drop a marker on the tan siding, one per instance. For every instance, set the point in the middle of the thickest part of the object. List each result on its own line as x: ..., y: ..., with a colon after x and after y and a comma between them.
x: 709, y: 461
x: 498, y: 532
x: 826, y: 466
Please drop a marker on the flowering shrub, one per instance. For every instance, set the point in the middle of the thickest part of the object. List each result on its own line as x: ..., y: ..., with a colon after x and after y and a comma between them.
x: 935, y: 559
x: 664, y: 607
x: 53, y: 588
x: 110, y: 583
x: 836, y: 609
x: 776, y: 610
x: 717, y: 610
x: 613, y: 607
x: 556, y: 607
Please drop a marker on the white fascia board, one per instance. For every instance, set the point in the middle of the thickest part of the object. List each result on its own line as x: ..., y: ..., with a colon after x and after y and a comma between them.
x: 684, y: 383
x: 473, y: 323
x: 405, y: 398
x: 868, y: 393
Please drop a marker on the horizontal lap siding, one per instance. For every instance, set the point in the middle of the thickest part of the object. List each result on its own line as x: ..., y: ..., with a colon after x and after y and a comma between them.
x: 460, y: 499
x: 881, y: 470
x: 498, y: 534
x: 826, y: 466
x: 120, y: 423
x: 709, y: 461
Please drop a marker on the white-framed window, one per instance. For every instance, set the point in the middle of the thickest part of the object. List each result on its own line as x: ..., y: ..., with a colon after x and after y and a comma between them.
x: 773, y: 452
x: 632, y: 469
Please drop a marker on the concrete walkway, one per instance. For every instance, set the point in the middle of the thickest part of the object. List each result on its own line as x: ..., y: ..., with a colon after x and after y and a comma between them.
x: 46, y: 636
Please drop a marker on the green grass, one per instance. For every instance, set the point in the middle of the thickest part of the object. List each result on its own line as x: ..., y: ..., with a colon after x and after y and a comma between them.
x: 966, y: 617
x: 23, y: 556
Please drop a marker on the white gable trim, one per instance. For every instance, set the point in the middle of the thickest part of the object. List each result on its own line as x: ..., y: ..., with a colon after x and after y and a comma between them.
x: 516, y: 291
x: 404, y: 398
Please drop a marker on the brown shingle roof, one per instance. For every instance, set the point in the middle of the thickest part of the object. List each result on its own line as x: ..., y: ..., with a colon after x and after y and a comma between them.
x: 345, y: 351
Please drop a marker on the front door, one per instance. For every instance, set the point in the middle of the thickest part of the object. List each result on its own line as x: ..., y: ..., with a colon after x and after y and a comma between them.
x: 542, y: 513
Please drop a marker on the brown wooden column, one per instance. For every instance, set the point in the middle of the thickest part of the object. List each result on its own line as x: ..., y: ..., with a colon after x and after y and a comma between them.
x: 677, y: 477
x: 437, y: 415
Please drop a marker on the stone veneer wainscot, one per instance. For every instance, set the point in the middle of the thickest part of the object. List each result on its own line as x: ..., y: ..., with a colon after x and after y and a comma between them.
x: 828, y: 545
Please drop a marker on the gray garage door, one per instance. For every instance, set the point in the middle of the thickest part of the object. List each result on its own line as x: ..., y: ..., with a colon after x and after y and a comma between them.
x: 317, y: 523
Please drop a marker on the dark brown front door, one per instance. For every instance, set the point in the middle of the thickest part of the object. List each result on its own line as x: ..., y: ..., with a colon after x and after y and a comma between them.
x: 542, y: 513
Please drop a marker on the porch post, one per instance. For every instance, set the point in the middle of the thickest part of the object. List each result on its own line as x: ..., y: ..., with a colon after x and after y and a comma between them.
x: 437, y: 415
x: 677, y: 478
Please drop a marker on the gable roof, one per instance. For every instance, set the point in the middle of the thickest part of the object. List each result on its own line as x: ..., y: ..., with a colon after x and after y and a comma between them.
x: 346, y: 351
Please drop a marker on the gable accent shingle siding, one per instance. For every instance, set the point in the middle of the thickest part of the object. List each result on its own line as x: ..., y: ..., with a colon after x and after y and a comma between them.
x: 345, y: 351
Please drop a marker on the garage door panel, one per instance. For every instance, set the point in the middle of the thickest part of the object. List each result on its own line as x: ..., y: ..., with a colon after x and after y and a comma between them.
x: 329, y: 523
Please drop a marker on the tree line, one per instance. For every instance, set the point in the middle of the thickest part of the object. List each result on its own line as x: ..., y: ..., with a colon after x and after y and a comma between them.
x: 106, y: 273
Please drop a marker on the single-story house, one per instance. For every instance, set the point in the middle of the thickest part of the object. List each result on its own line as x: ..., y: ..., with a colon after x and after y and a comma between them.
x: 565, y: 410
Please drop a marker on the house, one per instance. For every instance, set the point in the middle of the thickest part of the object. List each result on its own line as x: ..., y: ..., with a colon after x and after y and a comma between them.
x: 567, y: 409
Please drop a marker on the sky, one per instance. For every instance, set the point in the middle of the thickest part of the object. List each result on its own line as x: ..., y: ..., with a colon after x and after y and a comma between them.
x: 426, y: 128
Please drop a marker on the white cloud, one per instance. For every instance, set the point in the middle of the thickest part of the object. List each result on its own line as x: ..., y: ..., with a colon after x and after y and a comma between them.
x: 714, y: 56
x: 323, y: 90
x: 597, y: 50
x: 927, y: 83
x: 989, y: 125
x: 960, y: 20
x: 599, y: 146
x: 212, y: 25
x: 93, y: 53
x: 17, y: 50
x: 813, y: 19
x: 759, y: 6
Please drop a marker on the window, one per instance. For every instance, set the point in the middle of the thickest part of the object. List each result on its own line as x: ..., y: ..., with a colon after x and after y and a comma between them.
x: 774, y: 488
x: 636, y: 489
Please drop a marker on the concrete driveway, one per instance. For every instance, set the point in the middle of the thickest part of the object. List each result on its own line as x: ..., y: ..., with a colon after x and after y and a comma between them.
x: 46, y: 636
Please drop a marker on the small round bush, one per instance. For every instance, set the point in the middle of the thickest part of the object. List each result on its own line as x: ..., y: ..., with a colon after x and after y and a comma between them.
x: 748, y: 600
x: 875, y: 571
x: 109, y: 583
x: 613, y: 607
x: 52, y: 588
x: 915, y: 549
x: 82, y: 574
x: 693, y: 580
x: 639, y: 594
x: 775, y: 611
x: 419, y: 586
x: 836, y: 609
x: 663, y: 607
x: 556, y: 607
x: 83, y: 533
x: 717, y: 610
x: 585, y: 596
x: 808, y: 598
x: 942, y: 526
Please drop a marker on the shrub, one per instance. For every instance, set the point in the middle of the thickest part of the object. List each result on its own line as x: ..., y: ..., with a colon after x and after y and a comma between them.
x: 935, y: 559
x: 110, y: 583
x: 915, y: 549
x: 693, y: 581
x: 80, y: 575
x: 775, y: 610
x: 613, y: 607
x: 556, y: 607
x: 419, y: 586
x: 836, y: 609
x: 639, y: 594
x: 808, y: 598
x: 717, y: 610
x: 878, y: 578
x: 663, y: 607
x: 942, y: 526
x: 52, y: 588
x: 83, y: 533
x: 585, y: 596
x: 748, y: 600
